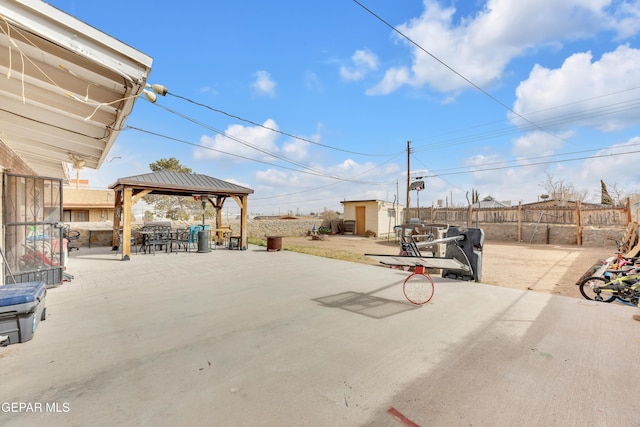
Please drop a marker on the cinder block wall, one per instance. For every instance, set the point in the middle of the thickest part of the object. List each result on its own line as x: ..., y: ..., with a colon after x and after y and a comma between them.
x: 552, y: 234
x: 278, y: 227
x: 256, y: 228
x: 555, y: 234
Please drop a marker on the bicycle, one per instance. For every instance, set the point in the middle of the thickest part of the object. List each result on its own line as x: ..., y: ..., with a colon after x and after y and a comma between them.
x: 623, y: 286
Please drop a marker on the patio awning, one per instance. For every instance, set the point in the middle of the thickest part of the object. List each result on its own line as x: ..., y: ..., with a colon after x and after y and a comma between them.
x: 66, y: 88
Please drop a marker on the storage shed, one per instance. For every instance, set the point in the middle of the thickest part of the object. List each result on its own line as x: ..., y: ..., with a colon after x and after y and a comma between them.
x: 373, y: 216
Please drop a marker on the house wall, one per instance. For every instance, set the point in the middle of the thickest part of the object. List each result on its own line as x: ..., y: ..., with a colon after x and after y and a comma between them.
x: 11, y: 162
x: 95, y: 214
x: 101, y: 215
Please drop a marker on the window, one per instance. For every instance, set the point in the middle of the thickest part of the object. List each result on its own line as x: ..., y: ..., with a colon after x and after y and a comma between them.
x: 76, y: 216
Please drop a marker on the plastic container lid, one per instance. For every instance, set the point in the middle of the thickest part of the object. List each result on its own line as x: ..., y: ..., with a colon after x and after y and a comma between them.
x: 20, y: 293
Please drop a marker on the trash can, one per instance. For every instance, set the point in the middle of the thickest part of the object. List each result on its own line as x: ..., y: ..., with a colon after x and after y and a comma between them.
x: 274, y: 243
x: 203, y: 241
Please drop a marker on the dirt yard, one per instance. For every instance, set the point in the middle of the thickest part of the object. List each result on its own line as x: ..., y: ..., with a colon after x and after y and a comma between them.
x: 540, y: 268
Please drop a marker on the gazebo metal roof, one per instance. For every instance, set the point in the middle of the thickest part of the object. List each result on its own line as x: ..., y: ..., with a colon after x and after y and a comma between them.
x: 181, y: 184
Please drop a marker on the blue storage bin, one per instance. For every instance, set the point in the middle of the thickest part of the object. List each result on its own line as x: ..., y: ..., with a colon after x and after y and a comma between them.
x: 22, y: 307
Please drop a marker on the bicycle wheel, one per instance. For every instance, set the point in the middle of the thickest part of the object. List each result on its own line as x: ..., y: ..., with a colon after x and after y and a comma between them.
x: 418, y: 288
x: 588, y: 285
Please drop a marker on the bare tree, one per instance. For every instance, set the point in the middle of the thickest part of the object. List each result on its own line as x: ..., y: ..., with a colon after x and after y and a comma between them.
x: 619, y: 194
x: 559, y: 189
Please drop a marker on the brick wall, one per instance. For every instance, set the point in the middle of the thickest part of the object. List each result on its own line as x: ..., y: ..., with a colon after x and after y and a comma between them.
x: 12, y: 163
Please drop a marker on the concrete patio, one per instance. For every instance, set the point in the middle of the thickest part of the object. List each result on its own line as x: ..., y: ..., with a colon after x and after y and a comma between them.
x: 244, y: 338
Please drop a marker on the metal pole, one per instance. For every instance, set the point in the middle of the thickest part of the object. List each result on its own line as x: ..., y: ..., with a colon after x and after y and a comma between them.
x: 407, y: 214
x: 6, y: 264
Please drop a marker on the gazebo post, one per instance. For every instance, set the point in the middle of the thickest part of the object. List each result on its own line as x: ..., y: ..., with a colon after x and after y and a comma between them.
x: 218, y: 206
x: 117, y: 214
x: 126, y: 226
x: 243, y: 222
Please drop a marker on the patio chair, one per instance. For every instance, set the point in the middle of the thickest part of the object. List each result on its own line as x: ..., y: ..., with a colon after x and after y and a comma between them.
x: 184, y: 239
x: 193, y: 233
x: 72, y: 237
x: 132, y: 241
x: 161, y: 236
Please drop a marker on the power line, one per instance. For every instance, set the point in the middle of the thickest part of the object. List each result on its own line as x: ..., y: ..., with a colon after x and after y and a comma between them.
x: 480, y: 89
x: 182, y: 141
x: 247, y: 144
x: 279, y: 131
x: 604, y: 110
x: 306, y: 170
x: 545, y: 157
x: 536, y: 164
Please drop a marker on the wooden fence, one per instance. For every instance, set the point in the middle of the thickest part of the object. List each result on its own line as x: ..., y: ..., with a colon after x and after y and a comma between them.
x: 577, y: 215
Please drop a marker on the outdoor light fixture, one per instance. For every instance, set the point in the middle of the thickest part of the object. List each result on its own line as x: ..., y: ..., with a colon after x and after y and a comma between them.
x: 151, y: 97
x: 78, y: 163
x: 155, y: 89
x: 159, y: 89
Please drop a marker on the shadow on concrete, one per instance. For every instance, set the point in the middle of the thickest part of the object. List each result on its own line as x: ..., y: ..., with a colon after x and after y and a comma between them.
x: 367, y: 304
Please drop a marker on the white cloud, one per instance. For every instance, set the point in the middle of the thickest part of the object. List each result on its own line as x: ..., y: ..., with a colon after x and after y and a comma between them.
x: 298, y: 149
x: 393, y: 79
x: 363, y: 62
x: 254, y: 142
x: 616, y: 165
x: 481, y: 46
x: 366, y: 59
x: 251, y: 142
x: 273, y: 178
x: 621, y: 169
x: 361, y: 181
x: 576, y: 93
x: 350, y: 74
x: 539, y: 143
x: 208, y: 89
x: 312, y: 81
x: 626, y: 20
x: 505, y: 179
x: 264, y: 85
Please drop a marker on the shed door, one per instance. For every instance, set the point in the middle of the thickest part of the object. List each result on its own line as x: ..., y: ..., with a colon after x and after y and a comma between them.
x: 361, y: 220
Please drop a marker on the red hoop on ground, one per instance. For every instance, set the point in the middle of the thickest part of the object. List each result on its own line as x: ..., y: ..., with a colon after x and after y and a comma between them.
x: 418, y: 288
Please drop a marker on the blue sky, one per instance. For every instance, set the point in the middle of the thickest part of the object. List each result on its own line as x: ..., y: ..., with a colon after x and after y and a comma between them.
x: 493, y: 95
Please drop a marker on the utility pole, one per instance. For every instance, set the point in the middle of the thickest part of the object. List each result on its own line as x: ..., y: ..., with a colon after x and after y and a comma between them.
x: 406, y: 211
